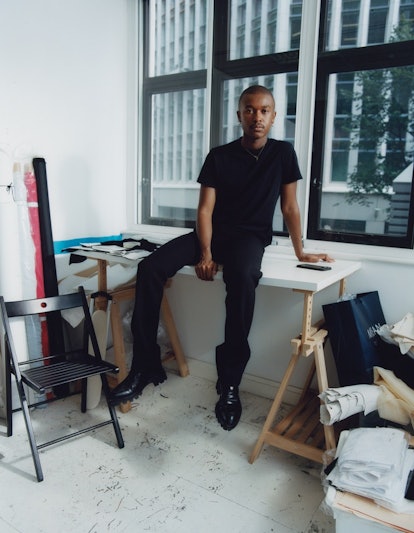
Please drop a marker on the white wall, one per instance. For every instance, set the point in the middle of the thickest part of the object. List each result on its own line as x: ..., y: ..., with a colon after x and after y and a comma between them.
x: 64, y: 92
x: 64, y: 97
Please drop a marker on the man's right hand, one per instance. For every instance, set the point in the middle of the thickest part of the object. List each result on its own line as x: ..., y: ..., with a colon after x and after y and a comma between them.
x: 206, y: 269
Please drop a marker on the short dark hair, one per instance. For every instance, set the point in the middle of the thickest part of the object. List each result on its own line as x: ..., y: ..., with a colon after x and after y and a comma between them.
x: 255, y: 89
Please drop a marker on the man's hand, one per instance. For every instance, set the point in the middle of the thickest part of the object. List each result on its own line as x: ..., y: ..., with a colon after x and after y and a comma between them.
x: 315, y: 258
x: 206, y: 269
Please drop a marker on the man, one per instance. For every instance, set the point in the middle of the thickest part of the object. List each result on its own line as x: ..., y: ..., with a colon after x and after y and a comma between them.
x: 240, y: 185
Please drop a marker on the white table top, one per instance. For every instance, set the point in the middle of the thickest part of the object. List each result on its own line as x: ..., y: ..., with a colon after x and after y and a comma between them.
x: 279, y: 270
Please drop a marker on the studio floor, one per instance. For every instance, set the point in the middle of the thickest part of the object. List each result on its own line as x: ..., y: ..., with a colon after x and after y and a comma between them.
x: 178, y: 473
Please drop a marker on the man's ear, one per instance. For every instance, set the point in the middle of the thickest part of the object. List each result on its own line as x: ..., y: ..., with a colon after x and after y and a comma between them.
x: 238, y: 116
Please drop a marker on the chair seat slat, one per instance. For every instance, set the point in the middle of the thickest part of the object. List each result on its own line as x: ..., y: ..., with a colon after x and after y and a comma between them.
x: 55, y: 374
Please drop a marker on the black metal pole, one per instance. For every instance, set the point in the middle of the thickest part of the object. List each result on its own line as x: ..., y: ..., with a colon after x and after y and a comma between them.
x: 50, y: 284
x: 46, y: 236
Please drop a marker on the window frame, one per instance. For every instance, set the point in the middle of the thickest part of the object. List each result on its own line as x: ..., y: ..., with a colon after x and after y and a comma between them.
x: 151, y: 85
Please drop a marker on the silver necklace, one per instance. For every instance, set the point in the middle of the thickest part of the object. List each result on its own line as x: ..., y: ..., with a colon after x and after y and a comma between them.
x: 259, y: 153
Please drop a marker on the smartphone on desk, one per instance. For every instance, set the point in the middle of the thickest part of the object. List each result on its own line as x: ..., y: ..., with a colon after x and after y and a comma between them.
x: 314, y: 266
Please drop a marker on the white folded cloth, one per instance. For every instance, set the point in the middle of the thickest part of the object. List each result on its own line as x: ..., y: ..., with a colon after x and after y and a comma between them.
x: 371, y: 453
x: 342, y: 402
x: 375, y: 463
x: 400, y: 334
x: 396, y: 401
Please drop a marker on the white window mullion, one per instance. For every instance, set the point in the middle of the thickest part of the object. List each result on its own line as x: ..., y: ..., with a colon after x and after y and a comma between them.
x: 264, y: 14
x: 335, y: 29
x: 167, y: 127
x: 329, y: 129
x: 247, y: 52
x: 305, y: 105
x: 283, y: 26
x: 187, y: 44
x: 209, y: 58
x: 168, y: 24
x: 197, y: 37
x: 363, y: 24
x: 393, y: 18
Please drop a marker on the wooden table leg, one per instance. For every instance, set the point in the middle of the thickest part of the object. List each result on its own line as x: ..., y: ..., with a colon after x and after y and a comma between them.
x: 102, y: 276
x: 275, y: 407
x: 300, y: 431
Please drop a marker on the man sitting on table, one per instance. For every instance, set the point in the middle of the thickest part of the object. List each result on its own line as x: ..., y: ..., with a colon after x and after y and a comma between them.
x: 240, y: 185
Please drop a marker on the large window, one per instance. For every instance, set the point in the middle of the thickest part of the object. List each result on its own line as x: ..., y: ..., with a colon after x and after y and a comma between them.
x: 200, y: 54
x: 174, y: 127
x: 361, y: 184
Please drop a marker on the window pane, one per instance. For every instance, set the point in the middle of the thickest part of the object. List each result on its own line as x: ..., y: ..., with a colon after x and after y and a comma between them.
x: 283, y: 87
x: 260, y: 27
x: 369, y: 151
x: 177, y: 36
x: 356, y: 23
x: 177, y: 153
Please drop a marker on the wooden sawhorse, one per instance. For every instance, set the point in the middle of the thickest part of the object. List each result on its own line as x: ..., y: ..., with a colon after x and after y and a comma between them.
x: 128, y: 293
x: 301, y: 432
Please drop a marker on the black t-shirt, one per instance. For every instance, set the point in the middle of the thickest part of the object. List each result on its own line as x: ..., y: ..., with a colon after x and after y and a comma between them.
x: 247, y: 189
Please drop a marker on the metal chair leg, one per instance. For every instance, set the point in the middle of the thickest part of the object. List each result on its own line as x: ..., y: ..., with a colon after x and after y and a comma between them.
x: 30, y: 433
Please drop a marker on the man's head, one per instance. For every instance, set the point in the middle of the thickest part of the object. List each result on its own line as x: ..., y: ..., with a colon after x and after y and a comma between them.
x: 256, y: 89
x: 256, y: 114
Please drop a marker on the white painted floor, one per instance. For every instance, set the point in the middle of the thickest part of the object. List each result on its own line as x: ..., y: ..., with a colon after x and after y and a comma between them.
x: 179, y: 472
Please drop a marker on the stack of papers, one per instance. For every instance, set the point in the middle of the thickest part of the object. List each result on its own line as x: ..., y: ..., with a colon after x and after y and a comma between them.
x: 112, y: 249
x: 375, y: 463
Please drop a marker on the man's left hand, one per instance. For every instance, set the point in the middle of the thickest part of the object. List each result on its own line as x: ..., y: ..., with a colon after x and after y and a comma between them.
x: 315, y: 258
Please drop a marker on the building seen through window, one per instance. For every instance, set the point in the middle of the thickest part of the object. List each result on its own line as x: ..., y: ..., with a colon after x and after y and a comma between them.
x: 362, y: 179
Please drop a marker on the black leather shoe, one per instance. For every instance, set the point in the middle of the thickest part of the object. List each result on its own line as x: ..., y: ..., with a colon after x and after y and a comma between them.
x: 228, y: 408
x: 134, y: 384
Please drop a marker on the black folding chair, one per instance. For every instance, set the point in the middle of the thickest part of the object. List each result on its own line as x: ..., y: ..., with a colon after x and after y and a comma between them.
x: 46, y: 374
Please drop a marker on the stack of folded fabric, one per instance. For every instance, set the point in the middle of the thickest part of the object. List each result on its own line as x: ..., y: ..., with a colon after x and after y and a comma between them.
x: 375, y: 463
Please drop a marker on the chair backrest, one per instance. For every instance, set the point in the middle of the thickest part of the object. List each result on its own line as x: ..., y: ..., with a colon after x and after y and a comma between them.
x: 51, y: 304
x: 44, y: 305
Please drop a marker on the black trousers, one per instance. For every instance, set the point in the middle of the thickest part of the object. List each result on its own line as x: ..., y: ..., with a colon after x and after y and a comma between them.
x: 240, y: 255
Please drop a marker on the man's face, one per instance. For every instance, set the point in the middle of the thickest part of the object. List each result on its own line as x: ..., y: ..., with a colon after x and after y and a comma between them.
x: 256, y: 115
